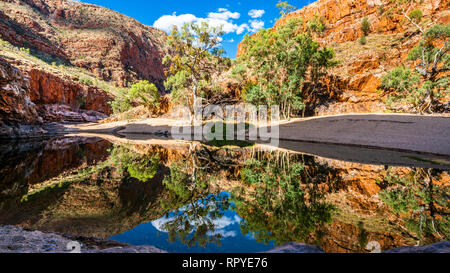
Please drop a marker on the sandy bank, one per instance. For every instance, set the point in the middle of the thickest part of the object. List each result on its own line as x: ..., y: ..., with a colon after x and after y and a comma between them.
x: 423, y: 134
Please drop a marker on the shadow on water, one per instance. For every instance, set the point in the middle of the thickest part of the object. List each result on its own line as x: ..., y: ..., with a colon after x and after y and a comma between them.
x: 193, y: 197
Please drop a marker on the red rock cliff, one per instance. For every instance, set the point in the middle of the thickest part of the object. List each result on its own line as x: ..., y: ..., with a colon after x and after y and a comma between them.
x: 352, y: 86
x: 111, y: 45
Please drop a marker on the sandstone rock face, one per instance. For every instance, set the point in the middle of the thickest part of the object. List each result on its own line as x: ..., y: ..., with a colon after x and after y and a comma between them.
x: 32, y: 96
x: 15, y: 104
x: 112, y: 46
x: 47, y: 88
x: 352, y: 86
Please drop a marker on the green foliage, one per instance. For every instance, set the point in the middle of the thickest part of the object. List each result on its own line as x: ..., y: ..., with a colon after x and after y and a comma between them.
x: 238, y: 72
x: 416, y: 15
x: 365, y: 26
x: 421, y: 202
x: 402, y: 84
x: 363, y: 40
x: 195, y: 57
x: 316, y: 24
x: 121, y: 104
x: 281, y: 62
x: 192, y: 224
x: 145, y: 93
x: 141, y: 93
x: 400, y: 200
x: 285, y: 8
x: 86, y: 81
x: 25, y: 50
x: 285, y: 205
x: 381, y: 10
x: 140, y: 167
x: 434, y: 60
x: 81, y: 101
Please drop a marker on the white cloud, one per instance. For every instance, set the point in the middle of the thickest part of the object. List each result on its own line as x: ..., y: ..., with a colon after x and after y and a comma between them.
x: 166, y: 22
x: 224, y: 14
x: 256, y: 13
x: 222, y: 18
x: 242, y: 28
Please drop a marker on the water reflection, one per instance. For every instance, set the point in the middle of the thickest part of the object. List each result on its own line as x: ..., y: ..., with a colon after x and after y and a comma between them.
x: 198, y: 198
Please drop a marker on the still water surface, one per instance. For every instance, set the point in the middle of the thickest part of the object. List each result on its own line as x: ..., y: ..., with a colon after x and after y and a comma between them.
x: 200, y: 198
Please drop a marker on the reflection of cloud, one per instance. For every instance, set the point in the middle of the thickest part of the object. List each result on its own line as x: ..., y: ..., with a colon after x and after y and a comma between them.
x: 159, y: 224
x: 220, y: 225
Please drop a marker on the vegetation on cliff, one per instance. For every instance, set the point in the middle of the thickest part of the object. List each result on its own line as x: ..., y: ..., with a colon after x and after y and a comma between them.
x: 430, y: 79
x: 279, y: 64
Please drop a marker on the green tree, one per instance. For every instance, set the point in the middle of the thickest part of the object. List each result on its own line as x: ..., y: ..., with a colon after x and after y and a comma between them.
x: 365, y: 26
x: 422, y: 203
x: 285, y: 8
x: 139, y: 166
x: 194, y: 58
x: 416, y: 15
x: 281, y: 62
x: 285, y: 204
x: 316, y: 24
x: 145, y: 93
x: 433, y: 60
x: 402, y: 83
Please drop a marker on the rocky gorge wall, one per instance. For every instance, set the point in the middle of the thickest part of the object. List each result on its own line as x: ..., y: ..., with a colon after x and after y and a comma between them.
x: 352, y: 86
x: 112, y: 46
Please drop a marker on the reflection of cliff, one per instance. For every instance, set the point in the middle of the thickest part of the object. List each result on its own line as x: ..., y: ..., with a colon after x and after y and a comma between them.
x: 280, y: 196
x: 36, y: 161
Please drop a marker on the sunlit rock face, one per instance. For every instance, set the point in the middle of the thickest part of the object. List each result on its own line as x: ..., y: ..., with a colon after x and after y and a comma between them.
x: 351, y: 87
x: 111, y: 45
x: 15, y: 103
x: 90, y: 187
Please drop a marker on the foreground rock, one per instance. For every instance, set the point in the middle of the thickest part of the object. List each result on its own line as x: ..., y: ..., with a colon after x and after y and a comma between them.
x: 441, y: 247
x: 16, y: 240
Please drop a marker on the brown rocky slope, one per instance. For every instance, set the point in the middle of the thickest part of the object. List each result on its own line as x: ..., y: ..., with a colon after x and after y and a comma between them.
x: 112, y: 46
x: 70, y: 60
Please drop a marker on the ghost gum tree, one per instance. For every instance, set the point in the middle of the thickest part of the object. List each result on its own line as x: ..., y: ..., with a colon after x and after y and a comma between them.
x: 280, y: 62
x: 194, y: 59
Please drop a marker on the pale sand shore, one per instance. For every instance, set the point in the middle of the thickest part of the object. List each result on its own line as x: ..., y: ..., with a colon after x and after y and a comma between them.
x: 423, y: 134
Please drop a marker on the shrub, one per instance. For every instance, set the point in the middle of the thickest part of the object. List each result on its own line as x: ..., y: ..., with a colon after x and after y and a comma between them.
x: 416, y: 15
x: 365, y: 26
x: 25, y: 50
x: 316, y: 24
x: 363, y: 40
x: 145, y: 93
x: 121, y: 104
x: 85, y: 81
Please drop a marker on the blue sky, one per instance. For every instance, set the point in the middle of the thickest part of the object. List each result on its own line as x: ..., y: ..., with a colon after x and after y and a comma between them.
x: 237, y: 17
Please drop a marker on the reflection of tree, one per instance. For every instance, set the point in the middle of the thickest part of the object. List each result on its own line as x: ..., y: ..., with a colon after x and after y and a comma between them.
x: 139, y: 166
x: 286, y: 204
x: 423, y: 204
x: 190, y: 183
